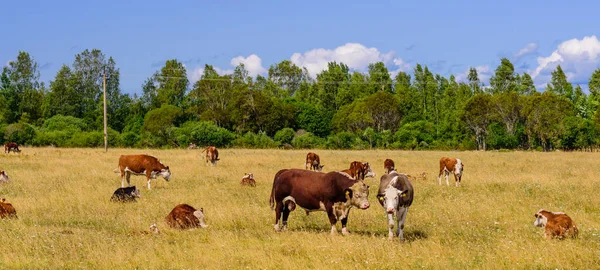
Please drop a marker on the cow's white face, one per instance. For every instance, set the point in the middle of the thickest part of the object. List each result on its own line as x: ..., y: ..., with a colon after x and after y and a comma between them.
x: 200, y: 215
x: 369, y: 172
x: 357, y: 195
x: 458, y: 168
x: 391, y: 198
x: 166, y: 174
x: 540, y: 220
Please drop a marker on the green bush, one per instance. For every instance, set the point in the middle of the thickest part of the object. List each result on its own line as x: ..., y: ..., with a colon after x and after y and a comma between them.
x: 285, y: 135
x: 203, y: 133
x: 130, y: 139
x: 253, y: 140
x: 342, y: 140
x: 307, y: 140
x: 87, y: 139
x: 69, y: 124
x: 20, y: 133
x: 56, y: 138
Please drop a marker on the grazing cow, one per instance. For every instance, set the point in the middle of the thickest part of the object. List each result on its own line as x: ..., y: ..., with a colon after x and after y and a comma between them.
x: 192, y: 146
x: 126, y: 194
x: 212, y: 155
x: 7, y: 210
x: 388, y: 166
x: 313, y: 162
x: 334, y: 192
x: 184, y: 216
x: 555, y: 224
x: 395, y: 194
x: 453, y: 165
x: 359, y: 170
x: 4, y: 177
x: 142, y: 165
x: 248, y: 180
x: 11, y: 146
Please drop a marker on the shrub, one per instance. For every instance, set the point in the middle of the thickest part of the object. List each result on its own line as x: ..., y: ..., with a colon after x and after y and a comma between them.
x: 203, y: 133
x: 307, y: 140
x: 87, y: 139
x: 253, y: 140
x: 285, y: 135
x: 20, y: 133
x: 130, y: 139
x: 342, y: 140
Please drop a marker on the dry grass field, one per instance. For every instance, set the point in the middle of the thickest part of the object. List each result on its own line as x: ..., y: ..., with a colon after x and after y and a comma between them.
x: 67, y: 221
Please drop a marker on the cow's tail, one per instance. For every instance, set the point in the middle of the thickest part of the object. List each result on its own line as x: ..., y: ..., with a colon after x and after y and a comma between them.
x: 272, y: 197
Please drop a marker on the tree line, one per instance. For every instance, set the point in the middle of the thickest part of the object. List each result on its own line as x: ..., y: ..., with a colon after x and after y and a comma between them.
x: 338, y: 108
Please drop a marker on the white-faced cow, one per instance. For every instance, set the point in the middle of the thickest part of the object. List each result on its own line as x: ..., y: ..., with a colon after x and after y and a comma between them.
x: 4, y: 177
x: 453, y: 165
x: 212, y: 155
x: 555, y: 224
x: 184, y: 216
x: 359, y: 170
x: 334, y: 192
x: 7, y: 210
x: 11, y: 146
x: 313, y: 162
x: 248, y: 180
x: 388, y: 166
x: 395, y: 194
x: 146, y: 165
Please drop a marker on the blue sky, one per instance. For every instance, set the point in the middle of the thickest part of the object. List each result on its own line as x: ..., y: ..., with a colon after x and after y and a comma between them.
x: 448, y: 36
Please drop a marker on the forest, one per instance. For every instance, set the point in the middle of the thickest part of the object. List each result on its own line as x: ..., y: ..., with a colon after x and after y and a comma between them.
x: 336, y: 109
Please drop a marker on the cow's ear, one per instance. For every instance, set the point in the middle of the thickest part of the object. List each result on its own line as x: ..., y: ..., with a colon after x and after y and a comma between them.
x: 349, y: 192
x: 201, y: 209
x: 402, y: 193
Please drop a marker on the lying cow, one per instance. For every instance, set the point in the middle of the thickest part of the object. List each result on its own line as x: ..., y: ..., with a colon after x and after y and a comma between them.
x: 184, y: 216
x: 142, y: 165
x: 388, y: 166
x: 395, y: 194
x: 7, y: 210
x: 126, y: 194
x: 4, y: 177
x: 212, y: 155
x: 453, y: 165
x: 11, y: 146
x: 334, y: 192
x: 248, y: 180
x: 555, y: 224
x: 359, y: 170
x: 313, y: 162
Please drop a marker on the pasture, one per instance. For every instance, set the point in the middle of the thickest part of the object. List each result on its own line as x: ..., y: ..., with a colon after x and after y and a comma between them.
x: 67, y: 221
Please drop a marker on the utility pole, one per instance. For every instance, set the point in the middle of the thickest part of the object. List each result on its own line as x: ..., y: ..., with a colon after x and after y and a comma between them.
x: 105, y: 125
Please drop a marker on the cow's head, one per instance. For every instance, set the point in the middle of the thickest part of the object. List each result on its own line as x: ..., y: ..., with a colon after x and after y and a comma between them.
x: 248, y: 176
x: 320, y: 167
x: 458, y: 168
x: 358, y: 194
x: 391, y: 198
x: 135, y: 192
x: 165, y: 173
x: 367, y: 170
x: 200, y: 215
x: 540, y: 218
x: 4, y: 177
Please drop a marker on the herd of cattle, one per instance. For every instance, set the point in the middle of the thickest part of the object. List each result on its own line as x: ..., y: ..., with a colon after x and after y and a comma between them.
x: 335, y: 192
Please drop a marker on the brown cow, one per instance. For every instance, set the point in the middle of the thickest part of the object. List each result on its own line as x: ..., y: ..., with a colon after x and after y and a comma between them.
x: 555, y: 224
x: 212, y: 155
x: 11, y: 146
x: 184, y: 216
x: 313, y: 162
x: 388, y: 166
x: 4, y: 177
x: 359, y: 170
x: 7, y: 210
x: 142, y: 165
x: 453, y: 165
x: 248, y: 180
x: 334, y: 193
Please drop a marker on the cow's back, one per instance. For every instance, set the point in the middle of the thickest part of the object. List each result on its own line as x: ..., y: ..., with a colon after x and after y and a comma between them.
x: 139, y: 163
x: 182, y: 216
x: 309, y: 188
x: 447, y: 163
x: 7, y: 210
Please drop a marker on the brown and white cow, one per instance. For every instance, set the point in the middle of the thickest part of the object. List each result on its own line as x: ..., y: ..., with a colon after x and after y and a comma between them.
x: 453, y: 165
x: 146, y: 165
x: 184, y: 216
x: 7, y: 210
x: 313, y: 162
x: 11, y: 146
x: 212, y: 155
x: 4, y: 177
x: 334, y: 192
x: 248, y: 180
x: 395, y: 194
x: 555, y: 224
x: 359, y: 170
x: 388, y: 166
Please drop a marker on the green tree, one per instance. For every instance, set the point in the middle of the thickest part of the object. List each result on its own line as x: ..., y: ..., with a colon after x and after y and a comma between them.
x: 559, y: 84
x: 594, y: 86
x: 158, y: 124
x: 212, y: 94
x: 172, y: 83
x: 503, y: 80
x: 330, y: 82
x: 379, y: 79
x: 64, y: 97
x: 21, y: 90
x: 474, y: 82
x: 545, y: 113
x: 507, y: 107
x: 287, y: 77
x: 525, y: 85
x: 477, y: 116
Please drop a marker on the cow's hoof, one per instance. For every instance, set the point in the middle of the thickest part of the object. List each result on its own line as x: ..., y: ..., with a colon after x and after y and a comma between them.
x: 345, y: 232
x: 276, y: 227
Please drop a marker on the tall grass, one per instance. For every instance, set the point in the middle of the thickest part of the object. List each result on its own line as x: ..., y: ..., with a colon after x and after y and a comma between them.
x: 67, y: 221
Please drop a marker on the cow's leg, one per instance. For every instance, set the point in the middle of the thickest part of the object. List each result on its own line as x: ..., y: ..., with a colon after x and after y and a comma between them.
x: 440, y: 177
x: 122, y: 179
x: 390, y: 226
x: 344, y: 222
x: 278, y: 208
x: 286, y: 214
x: 401, y: 216
x: 149, y: 177
x: 456, y: 181
x: 127, y: 176
x: 332, y: 218
x: 447, y: 176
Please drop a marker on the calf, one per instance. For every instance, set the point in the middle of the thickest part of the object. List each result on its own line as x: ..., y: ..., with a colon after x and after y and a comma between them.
x: 212, y: 155
x: 313, y: 162
x: 4, y: 177
x: 126, y: 194
x: 388, y: 166
x: 555, y: 224
x: 7, y: 210
x: 11, y: 146
x: 142, y: 165
x: 184, y: 216
x: 248, y: 180
x: 396, y: 196
x: 453, y: 165
x: 359, y: 170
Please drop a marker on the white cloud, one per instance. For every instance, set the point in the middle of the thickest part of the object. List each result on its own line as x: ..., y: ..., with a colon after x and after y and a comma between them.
x: 252, y: 63
x: 577, y: 57
x: 355, y: 55
x: 402, y: 66
x: 484, y: 73
x: 529, y: 48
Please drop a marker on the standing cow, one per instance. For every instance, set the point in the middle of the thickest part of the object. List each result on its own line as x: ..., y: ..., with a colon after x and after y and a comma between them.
x: 453, y: 165
x: 359, y: 170
x: 212, y: 155
x: 313, y: 162
x: 184, y: 216
x: 4, y: 177
x: 395, y: 194
x: 388, y: 166
x: 334, y: 192
x: 11, y: 146
x: 146, y: 165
